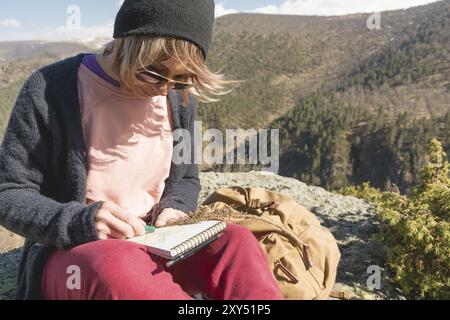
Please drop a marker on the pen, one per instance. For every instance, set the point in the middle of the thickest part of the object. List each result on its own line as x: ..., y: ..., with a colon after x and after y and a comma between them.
x: 191, y: 252
x: 149, y: 229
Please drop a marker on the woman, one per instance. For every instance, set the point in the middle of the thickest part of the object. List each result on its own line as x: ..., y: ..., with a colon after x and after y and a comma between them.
x: 86, y: 162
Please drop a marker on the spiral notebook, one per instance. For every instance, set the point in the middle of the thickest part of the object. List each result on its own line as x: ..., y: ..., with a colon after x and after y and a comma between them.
x: 172, y: 241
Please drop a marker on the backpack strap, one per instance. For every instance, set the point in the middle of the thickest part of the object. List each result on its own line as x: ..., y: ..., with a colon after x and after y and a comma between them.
x: 302, y: 247
x: 252, y: 205
x: 282, y: 228
x: 257, y: 204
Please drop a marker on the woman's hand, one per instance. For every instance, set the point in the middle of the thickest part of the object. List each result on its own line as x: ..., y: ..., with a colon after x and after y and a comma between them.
x: 112, y: 221
x: 169, y: 215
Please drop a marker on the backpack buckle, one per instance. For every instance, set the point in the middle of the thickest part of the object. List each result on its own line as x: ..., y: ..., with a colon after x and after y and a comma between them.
x: 257, y: 204
x: 257, y: 207
x: 254, y: 204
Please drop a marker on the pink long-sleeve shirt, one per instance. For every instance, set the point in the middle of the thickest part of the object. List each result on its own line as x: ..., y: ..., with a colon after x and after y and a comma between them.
x: 129, y: 143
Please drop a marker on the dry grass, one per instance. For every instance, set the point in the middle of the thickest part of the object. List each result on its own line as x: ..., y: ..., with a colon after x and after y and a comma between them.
x: 203, y: 213
x: 9, y: 240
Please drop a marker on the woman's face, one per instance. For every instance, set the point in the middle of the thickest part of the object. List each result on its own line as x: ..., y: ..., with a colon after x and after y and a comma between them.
x: 171, y: 69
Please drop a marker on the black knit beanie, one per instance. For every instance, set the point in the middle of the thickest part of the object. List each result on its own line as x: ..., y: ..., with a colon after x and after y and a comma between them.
x: 190, y: 20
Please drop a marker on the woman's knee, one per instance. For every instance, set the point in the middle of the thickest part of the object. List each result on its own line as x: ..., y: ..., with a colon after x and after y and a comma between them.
x: 239, y: 234
x: 104, y: 253
x: 110, y: 261
x: 93, y: 268
x: 125, y: 270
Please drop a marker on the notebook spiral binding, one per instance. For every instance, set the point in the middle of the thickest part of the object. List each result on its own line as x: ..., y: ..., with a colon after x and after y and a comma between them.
x: 198, y: 239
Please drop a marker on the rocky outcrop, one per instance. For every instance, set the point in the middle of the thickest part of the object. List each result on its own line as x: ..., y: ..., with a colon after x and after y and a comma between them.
x: 352, y: 221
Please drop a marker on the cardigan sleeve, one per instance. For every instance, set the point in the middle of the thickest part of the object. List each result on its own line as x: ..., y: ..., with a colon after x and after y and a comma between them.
x: 24, y: 165
x: 182, y: 193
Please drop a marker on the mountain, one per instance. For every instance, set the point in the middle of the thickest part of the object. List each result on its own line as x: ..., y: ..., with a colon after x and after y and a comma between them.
x: 19, y: 50
x: 284, y: 58
x: 363, y: 106
x: 18, y: 59
x: 352, y: 104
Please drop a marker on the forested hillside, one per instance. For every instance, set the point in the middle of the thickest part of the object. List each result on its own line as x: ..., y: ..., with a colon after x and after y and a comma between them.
x: 352, y: 104
x: 373, y: 120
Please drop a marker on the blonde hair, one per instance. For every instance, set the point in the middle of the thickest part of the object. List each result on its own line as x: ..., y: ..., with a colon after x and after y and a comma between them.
x: 131, y: 53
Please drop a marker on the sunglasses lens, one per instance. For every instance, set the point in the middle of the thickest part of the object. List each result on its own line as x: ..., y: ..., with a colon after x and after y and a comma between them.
x: 148, y: 78
x: 182, y: 86
x: 156, y: 79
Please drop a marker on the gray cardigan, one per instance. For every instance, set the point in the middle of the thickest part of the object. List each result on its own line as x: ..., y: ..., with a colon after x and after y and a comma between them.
x: 43, y: 170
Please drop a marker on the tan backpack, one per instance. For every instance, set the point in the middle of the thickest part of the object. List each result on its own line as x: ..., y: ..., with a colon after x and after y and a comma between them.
x: 303, y: 255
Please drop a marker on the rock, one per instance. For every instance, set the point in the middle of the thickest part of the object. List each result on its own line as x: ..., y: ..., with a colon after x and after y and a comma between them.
x: 9, y: 263
x: 351, y: 220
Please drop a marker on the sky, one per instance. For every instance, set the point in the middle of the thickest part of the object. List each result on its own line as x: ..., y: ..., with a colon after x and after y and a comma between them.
x: 86, y: 20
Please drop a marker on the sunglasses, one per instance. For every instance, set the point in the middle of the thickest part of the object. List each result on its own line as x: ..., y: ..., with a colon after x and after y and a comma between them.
x: 153, y: 77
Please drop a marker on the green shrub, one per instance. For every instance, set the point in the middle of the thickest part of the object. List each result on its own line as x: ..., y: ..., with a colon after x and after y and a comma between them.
x: 364, y: 191
x: 416, y: 229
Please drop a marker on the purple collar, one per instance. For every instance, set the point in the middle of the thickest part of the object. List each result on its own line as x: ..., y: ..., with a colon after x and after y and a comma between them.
x: 90, y: 61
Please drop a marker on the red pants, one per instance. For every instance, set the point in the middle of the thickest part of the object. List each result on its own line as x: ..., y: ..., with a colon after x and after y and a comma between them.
x: 232, y: 267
